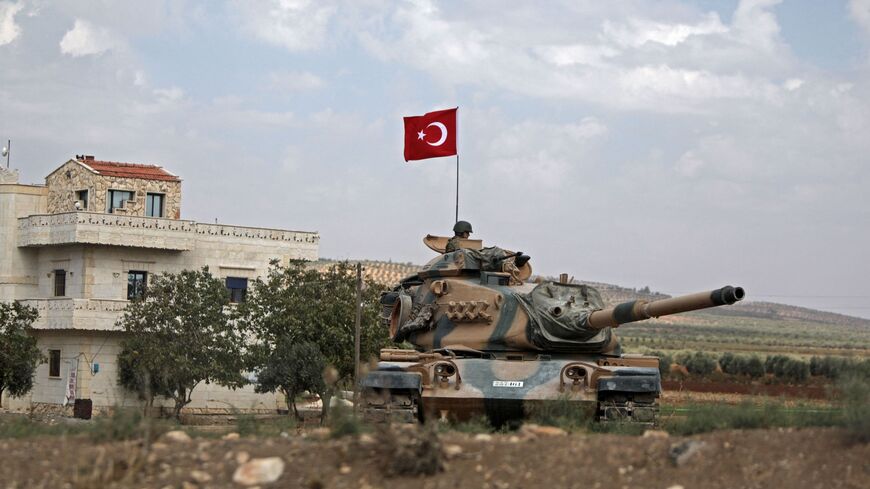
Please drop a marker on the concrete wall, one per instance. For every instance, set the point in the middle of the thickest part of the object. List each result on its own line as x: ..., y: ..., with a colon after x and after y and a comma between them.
x: 18, y: 266
x: 87, y: 349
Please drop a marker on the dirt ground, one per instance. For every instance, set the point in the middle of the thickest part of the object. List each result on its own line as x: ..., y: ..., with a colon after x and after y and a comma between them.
x: 807, y: 458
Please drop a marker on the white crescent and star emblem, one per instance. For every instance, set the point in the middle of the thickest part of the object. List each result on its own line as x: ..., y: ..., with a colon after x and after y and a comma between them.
x: 422, y: 135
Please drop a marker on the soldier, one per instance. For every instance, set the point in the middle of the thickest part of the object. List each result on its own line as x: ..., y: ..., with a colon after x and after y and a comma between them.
x: 461, y: 230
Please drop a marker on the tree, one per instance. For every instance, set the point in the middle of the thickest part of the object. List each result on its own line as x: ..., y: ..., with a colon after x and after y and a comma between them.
x: 19, y: 355
x: 293, y: 368
x: 297, y: 304
x: 178, y: 336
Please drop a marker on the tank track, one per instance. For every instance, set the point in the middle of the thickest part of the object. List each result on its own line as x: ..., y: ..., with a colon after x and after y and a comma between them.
x: 390, y: 409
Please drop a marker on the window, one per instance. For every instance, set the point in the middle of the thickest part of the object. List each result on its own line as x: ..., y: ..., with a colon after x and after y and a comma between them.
x: 238, y: 288
x: 117, y: 198
x: 54, y: 363
x: 82, y: 196
x: 59, y: 283
x: 154, y: 205
x: 136, y: 282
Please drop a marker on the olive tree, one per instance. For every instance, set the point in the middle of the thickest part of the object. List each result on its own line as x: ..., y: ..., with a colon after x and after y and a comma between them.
x: 19, y: 355
x: 297, y: 304
x: 293, y: 368
x: 179, y: 335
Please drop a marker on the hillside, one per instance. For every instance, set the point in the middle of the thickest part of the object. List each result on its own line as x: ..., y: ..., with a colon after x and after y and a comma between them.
x: 389, y: 274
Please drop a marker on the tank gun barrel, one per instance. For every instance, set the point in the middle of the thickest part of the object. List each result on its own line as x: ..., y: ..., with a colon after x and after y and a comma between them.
x: 638, y: 310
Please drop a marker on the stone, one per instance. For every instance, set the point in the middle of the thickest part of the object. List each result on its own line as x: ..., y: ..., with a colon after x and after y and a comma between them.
x: 242, y: 457
x: 188, y: 485
x: 176, y: 436
x: 675, y: 486
x: 536, y: 430
x: 367, y: 439
x: 319, y: 433
x: 344, y: 469
x: 452, y: 451
x: 259, y: 471
x: 656, y: 434
x: 483, y: 437
x: 681, y: 453
x: 200, y: 476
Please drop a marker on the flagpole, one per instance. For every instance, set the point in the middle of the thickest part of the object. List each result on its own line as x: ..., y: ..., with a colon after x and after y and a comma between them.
x: 457, y: 164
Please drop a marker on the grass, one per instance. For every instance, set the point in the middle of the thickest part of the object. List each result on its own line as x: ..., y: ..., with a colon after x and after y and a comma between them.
x: 702, y: 418
x: 250, y: 425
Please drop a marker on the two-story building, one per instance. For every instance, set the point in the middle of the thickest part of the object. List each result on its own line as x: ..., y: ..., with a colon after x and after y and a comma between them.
x: 82, y: 245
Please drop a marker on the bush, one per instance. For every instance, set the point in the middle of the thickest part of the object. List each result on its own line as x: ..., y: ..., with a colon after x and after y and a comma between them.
x: 855, y: 389
x: 787, y: 368
x: 698, y: 363
x: 709, y: 417
x: 127, y: 424
x: 753, y: 367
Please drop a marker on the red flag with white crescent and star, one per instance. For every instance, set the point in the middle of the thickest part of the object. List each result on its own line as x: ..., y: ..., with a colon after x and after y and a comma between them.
x: 430, y: 135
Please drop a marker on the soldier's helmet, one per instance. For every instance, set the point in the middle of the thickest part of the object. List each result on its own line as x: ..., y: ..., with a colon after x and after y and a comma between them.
x: 462, y: 227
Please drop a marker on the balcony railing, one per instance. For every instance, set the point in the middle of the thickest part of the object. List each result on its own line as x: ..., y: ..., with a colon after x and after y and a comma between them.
x: 141, y: 232
x: 85, y: 314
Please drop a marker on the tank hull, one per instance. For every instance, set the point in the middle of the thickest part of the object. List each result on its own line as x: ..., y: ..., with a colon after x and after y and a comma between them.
x: 444, y: 387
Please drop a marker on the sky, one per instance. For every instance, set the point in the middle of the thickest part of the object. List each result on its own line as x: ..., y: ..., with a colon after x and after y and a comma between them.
x: 680, y: 145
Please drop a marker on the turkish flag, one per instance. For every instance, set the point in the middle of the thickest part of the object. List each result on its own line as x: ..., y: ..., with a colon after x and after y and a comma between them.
x: 430, y: 135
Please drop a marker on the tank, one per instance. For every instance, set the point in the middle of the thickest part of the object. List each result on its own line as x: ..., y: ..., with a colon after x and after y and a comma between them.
x: 486, y: 342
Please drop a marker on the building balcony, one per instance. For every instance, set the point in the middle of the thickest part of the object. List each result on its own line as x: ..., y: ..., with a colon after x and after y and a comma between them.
x: 144, y: 232
x: 83, y: 314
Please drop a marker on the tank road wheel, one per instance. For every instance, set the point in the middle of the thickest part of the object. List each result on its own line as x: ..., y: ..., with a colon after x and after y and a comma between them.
x: 628, y: 407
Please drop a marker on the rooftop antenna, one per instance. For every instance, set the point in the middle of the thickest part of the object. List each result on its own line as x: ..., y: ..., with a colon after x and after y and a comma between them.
x: 6, y: 150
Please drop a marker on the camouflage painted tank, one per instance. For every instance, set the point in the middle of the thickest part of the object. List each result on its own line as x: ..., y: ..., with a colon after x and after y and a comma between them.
x: 489, y: 343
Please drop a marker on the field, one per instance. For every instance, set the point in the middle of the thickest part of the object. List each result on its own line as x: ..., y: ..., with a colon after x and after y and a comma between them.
x: 716, y: 429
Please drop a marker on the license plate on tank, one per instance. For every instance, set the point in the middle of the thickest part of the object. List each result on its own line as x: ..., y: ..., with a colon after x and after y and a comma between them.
x: 507, y: 383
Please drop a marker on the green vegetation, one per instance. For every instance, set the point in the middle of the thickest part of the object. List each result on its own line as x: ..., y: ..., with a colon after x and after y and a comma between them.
x: 740, y: 334
x: 122, y: 424
x: 305, y: 305
x: 251, y: 425
x: 701, y: 418
x: 179, y: 335
x: 293, y: 368
x: 563, y: 413
x: 19, y: 355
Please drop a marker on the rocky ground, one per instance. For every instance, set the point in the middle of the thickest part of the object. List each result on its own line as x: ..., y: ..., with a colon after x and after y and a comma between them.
x: 531, y: 457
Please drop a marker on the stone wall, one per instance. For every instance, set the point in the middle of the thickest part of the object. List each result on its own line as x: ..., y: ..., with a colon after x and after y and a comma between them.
x: 72, y: 176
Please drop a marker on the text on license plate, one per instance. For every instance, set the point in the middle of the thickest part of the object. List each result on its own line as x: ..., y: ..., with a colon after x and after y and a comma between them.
x: 507, y: 383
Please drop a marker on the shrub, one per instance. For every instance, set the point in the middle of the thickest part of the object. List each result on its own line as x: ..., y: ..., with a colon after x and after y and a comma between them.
x: 773, y: 364
x: 855, y: 389
x: 753, y: 367
x: 698, y: 363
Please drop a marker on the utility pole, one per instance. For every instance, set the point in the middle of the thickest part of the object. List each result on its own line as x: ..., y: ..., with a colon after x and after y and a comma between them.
x: 356, y: 334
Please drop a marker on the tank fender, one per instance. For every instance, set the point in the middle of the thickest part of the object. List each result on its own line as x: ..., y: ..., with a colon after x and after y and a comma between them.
x: 632, y: 379
x: 392, y: 379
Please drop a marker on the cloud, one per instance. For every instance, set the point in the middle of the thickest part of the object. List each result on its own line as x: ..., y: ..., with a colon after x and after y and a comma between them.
x: 9, y: 30
x: 641, y: 31
x: 860, y: 13
x: 296, y: 25
x: 85, y: 39
x: 658, y: 63
x: 295, y: 81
